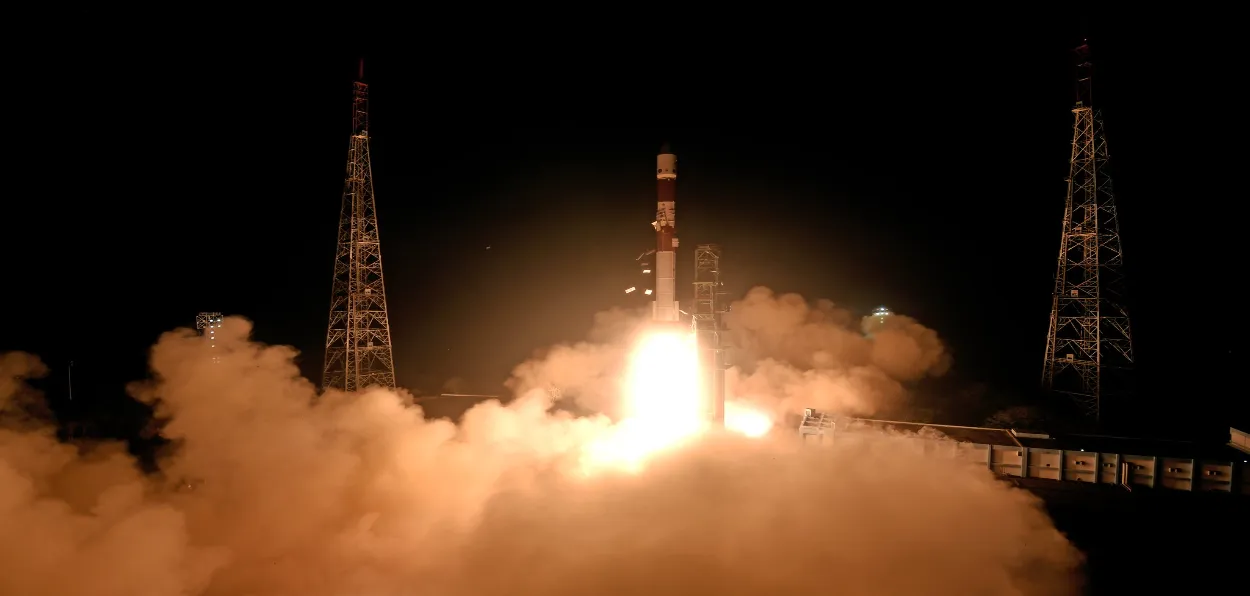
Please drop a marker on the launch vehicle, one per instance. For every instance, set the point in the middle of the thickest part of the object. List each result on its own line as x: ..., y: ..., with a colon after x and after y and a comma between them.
x: 665, y: 307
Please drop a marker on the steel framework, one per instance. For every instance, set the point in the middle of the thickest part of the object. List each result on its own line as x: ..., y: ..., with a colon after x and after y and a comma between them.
x: 207, y: 323
x: 207, y: 320
x: 358, y: 340
x: 709, y: 308
x: 1089, y: 346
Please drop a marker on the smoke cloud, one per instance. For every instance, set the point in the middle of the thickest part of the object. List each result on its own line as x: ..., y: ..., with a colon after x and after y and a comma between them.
x: 276, y: 491
x: 586, y: 372
x: 84, y: 522
x: 791, y: 354
x: 19, y: 405
x: 788, y: 354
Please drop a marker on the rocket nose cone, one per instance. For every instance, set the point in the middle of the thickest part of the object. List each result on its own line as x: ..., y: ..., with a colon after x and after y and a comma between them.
x: 665, y: 149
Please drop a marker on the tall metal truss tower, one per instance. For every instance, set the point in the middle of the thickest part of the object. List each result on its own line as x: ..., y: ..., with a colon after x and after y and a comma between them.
x: 358, y: 340
x: 207, y: 323
x: 1089, y: 348
x: 709, y: 308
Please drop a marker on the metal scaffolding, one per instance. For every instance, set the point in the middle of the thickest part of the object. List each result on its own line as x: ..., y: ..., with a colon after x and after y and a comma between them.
x: 709, y: 306
x: 207, y: 323
x: 358, y: 340
x: 1089, y: 346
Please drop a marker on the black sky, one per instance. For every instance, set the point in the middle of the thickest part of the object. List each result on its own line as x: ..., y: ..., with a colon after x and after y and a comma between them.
x: 918, y: 167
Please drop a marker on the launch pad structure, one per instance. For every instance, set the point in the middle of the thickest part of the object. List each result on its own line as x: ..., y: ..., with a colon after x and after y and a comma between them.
x: 708, y: 310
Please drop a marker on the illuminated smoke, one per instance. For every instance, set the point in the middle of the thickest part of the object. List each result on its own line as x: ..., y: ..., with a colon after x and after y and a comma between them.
x: 791, y: 354
x: 748, y: 420
x: 85, y: 523
x: 19, y: 405
x: 586, y: 372
x: 273, y: 492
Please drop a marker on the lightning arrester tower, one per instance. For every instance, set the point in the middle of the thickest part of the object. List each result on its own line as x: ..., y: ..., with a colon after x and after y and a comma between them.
x: 709, y: 308
x: 358, y: 340
x: 207, y: 323
x: 1089, y: 348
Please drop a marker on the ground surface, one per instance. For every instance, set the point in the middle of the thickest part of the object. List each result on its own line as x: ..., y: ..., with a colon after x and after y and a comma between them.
x: 1150, y: 540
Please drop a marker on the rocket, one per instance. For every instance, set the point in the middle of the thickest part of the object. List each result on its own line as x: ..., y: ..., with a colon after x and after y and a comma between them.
x: 665, y: 306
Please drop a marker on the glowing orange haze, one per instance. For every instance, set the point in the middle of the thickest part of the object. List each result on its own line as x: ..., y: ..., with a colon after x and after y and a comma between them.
x: 336, y: 494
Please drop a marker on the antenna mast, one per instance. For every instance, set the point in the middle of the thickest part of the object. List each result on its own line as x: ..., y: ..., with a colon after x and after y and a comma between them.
x: 358, y: 338
x: 1089, y: 346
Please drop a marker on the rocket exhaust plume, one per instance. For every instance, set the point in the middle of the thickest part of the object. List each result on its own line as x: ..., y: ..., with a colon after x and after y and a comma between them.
x: 274, y: 491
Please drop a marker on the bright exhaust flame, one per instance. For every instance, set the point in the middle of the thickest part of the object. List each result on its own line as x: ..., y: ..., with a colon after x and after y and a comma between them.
x: 663, y: 384
x: 661, y: 393
x: 663, y: 404
x: 744, y: 419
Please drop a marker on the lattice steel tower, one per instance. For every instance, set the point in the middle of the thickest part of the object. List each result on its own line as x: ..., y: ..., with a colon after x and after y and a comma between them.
x: 1089, y: 347
x: 208, y: 323
x: 358, y: 341
x: 709, y: 308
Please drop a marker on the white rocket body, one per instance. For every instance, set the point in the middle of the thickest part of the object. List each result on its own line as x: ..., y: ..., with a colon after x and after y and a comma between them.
x: 665, y: 307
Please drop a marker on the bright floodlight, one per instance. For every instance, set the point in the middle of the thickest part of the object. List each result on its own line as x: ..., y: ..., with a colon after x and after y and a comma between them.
x: 881, y: 311
x: 631, y: 288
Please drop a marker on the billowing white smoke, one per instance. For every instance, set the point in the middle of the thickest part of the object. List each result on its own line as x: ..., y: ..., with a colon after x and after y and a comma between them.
x: 587, y: 372
x: 84, y: 523
x: 359, y: 494
x: 788, y: 355
x: 792, y: 355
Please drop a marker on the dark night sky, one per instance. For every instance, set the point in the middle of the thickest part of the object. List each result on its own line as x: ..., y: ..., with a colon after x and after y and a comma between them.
x: 915, y: 168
